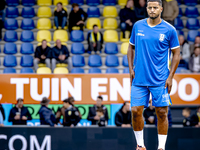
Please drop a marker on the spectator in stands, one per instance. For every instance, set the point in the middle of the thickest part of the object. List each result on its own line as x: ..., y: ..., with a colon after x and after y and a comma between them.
x: 1, y: 120
x: 60, y: 16
x: 187, y: 117
x: 61, y: 112
x: 42, y: 55
x: 77, y: 17
x: 92, y: 115
x: 71, y: 100
x: 194, y: 62
x: 102, y: 121
x: 170, y: 10
x: 141, y: 10
x: 123, y: 116
x: 127, y: 17
x: 196, y: 44
x: 195, y: 118
x: 46, y: 114
x: 149, y: 114
x: 19, y: 114
x: 60, y: 54
x: 95, y: 40
x: 2, y: 112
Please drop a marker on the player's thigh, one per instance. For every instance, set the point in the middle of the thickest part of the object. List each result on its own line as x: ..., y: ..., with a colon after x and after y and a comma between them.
x: 160, y: 96
x: 139, y: 96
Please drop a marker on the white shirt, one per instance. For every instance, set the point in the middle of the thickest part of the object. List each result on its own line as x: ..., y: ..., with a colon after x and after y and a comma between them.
x: 196, y: 66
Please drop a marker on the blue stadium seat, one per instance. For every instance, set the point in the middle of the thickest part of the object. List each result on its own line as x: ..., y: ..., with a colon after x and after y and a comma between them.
x: 180, y: 32
x: 10, y: 61
x: 180, y: 69
x: 94, y: 61
x: 109, y: 2
x: 79, y: 2
x: 27, y: 36
x: 112, y: 70
x: 9, y: 70
x: 78, y: 61
x: 178, y: 24
x: 192, y: 24
x: 93, y: 2
x: 77, y: 70
x: 27, y: 48
x: 11, y: 24
x: 180, y: 12
x: 93, y: 12
x: 10, y: 48
x: 26, y: 70
x: 112, y: 61
x: 111, y: 48
x: 191, y: 12
x: 12, y: 12
x: 27, y: 24
x: 26, y: 61
x: 10, y: 36
x: 192, y: 34
x: 190, y: 2
x: 28, y: 12
x: 77, y: 48
x: 94, y: 70
x: 12, y: 2
x: 125, y: 61
x: 28, y: 2
x: 126, y: 70
x: 77, y: 36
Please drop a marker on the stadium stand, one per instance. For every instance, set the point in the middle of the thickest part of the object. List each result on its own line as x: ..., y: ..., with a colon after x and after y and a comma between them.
x: 77, y: 70
x: 27, y: 36
x: 28, y: 12
x: 64, y: 2
x: 44, y: 70
x: 12, y: 12
x: 27, y: 24
x: 60, y: 70
x: 111, y: 48
x: 79, y: 2
x: 44, y: 24
x: 10, y: 48
x: 9, y: 70
x: 78, y: 61
x: 12, y: 2
x: 44, y: 2
x: 94, y: 70
x: 77, y: 36
x: 10, y: 61
x: 93, y: 12
x: 28, y: 2
x: 11, y: 24
x: 94, y: 61
x: 27, y: 70
x: 77, y: 48
x: 112, y: 70
x: 93, y: 2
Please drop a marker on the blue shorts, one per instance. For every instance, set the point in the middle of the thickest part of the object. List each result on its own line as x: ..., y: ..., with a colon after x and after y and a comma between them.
x: 140, y: 96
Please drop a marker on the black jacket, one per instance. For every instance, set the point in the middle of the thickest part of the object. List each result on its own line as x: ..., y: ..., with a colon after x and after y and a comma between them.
x: 60, y: 15
x: 46, y: 116
x: 2, y: 112
x: 194, y: 120
x: 148, y: 113
x: 102, y: 122
x: 56, y: 52
x: 140, y: 13
x: 122, y: 118
x: 92, y: 114
x: 76, y: 17
x: 2, y: 4
x: 46, y: 52
x: 71, y: 116
x: 127, y: 13
x: 187, y: 122
x: 24, y: 112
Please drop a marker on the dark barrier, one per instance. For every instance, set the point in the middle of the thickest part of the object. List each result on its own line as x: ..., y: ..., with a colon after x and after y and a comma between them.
x: 31, y: 138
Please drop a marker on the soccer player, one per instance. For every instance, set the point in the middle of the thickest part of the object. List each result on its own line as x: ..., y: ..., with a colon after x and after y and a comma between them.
x: 153, y: 40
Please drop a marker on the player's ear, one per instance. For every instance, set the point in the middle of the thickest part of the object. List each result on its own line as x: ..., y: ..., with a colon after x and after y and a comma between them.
x: 161, y: 8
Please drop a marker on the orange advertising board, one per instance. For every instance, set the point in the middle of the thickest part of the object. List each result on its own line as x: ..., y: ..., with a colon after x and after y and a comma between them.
x: 115, y: 88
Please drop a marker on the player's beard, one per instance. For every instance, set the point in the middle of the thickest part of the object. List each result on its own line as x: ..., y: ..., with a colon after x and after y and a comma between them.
x: 153, y: 18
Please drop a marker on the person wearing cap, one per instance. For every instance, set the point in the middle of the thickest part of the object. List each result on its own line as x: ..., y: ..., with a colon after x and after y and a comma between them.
x: 71, y: 99
x: 47, y: 116
x: 19, y: 114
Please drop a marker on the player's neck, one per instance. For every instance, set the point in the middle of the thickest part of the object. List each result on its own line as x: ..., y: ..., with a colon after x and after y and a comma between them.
x: 154, y: 22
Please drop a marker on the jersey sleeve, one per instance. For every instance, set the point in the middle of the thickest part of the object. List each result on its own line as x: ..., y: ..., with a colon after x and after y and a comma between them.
x: 132, y: 39
x: 174, y: 42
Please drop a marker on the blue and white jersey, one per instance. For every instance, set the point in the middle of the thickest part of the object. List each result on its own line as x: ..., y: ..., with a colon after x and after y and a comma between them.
x: 152, y: 52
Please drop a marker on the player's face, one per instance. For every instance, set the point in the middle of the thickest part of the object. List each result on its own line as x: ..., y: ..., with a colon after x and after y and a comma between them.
x: 154, y: 10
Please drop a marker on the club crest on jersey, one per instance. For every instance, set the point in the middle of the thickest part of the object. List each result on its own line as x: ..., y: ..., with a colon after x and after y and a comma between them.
x: 162, y: 37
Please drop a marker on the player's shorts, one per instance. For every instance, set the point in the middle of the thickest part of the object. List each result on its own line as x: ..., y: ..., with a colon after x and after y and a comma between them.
x: 140, y: 96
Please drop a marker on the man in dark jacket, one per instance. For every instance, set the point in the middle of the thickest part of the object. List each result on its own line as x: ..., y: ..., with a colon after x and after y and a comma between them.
x: 19, y: 114
x: 42, y: 55
x: 60, y: 54
x: 127, y: 17
x: 123, y: 116
x: 187, y: 117
x: 95, y: 40
x: 195, y: 118
x: 141, y: 10
x: 77, y: 17
x: 92, y: 115
x: 46, y: 114
x: 149, y: 114
x: 194, y: 61
x: 2, y: 112
x: 102, y: 122
x: 60, y: 16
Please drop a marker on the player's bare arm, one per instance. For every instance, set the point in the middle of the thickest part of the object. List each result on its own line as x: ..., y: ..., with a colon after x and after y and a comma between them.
x: 130, y: 56
x: 174, y: 65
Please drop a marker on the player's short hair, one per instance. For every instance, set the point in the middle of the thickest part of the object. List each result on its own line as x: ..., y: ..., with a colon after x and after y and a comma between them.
x: 74, y: 5
x: 94, y: 26
x: 100, y: 97
x: 159, y: 1
x: 187, y: 109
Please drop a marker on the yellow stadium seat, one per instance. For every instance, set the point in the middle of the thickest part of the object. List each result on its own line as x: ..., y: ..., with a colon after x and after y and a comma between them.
x: 122, y: 3
x: 61, y: 65
x: 110, y: 23
x: 124, y: 48
x: 110, y: 11
x: 65, y: 28
x: 60, y: 70
x: 41, y: 65
x: 48, y: 44
x: 61, y: 35
x: 126, y: 39
x: 64, y: 2
x: 92, y: 21
x: 44, y: 12
x: 110, y: 36
x: 44, y: 24
x: 43, y: 34
x: 44, y: 2
x: 43, y: 70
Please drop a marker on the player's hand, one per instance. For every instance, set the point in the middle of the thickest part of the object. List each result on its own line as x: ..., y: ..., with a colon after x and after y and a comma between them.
x: 24, y: 118
x: 132, y: 76
x: 168, y: 84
